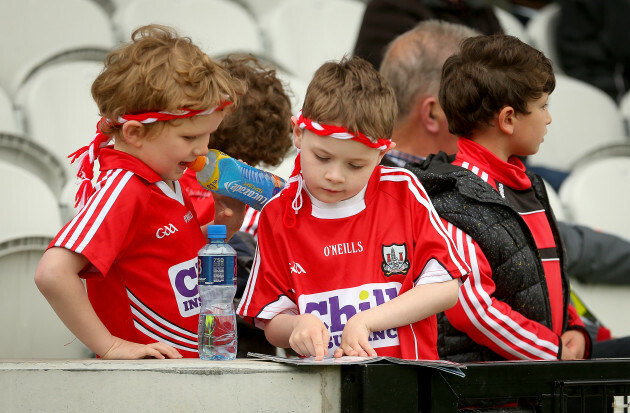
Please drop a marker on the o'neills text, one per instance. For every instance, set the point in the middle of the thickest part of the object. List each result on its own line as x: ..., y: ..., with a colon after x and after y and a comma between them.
x: 343, y: 248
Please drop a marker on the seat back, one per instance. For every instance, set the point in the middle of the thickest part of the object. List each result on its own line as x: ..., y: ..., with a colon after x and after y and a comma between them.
x: 541, y: 30
x: 596, y: 194
x: 58, y: 109
x: 304, y: 34
x: 583, y: 119
x: 30, y: 327
x: 35, y: 31
x: 8, y: 117
x: 511, y: 25
x: 28, y: 206
x: 216, y: 26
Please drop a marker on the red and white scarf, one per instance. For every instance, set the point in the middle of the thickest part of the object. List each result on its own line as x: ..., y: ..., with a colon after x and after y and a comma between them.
x: 295, y: 184
x: 87, y: 155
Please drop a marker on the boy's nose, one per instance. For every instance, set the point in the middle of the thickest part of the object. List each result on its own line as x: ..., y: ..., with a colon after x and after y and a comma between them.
x: 333, y: 174
x: 201, y: 150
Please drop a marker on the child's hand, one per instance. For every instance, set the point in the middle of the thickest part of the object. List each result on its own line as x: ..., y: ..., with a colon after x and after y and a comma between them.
x: 573, y: 345
x: 126, y: 350
x: 309, y: 337
x: 229, y: 212
x: 354, y: 339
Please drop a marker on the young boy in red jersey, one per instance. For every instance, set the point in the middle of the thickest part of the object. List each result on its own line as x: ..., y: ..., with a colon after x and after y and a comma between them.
x: 515, y: 304
x: 135, y: 241
x: 352, y: 258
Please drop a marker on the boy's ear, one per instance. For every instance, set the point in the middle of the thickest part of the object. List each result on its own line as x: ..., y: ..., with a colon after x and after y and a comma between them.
x: 133, y: 133
x: 392, y: 145
x: 506, y: 119
x: 297, y: 132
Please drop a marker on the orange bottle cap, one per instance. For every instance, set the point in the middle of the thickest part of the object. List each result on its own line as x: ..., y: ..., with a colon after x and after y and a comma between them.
x: 198, y: 164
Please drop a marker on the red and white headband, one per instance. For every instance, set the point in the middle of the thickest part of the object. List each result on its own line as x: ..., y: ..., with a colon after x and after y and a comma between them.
x: 340, y: 132
x: 87, y: 155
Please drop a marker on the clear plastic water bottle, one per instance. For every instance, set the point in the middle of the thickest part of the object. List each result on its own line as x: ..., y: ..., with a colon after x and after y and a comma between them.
x: 220, y: 173
x: 217, y: 286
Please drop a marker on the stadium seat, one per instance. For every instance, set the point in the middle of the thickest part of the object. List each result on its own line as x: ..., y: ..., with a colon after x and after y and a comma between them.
x: 624, y: 109
x: 511, y: 25
x: 583, y: 119
x: 556, y: 203
x: 30, y: 327
x: 306, y: 33
x: 58, y: 109
x: 595, y: 194
x: 18, y: 150
x: 541, y: 31
x: 34, y: 32
x: 8, y: 118
x: 28, y: 207
x: 216, y: 26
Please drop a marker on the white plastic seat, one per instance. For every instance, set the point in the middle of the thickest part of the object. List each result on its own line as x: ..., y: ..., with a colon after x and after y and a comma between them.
x: 59, y: 111
x: 8, y: 118
x: 541, y: 30
x: 216, y: 26
x: 304, y: 34
x: 624, y: 109
x: 583, y: 118
x: 556, y: 203
x: 31, y: 156
x: 35, y: 31
x: 258, y: 8
x: 30, y: 327
x: 28, y: 207
x: 596, y: 195
x: 511, y: 25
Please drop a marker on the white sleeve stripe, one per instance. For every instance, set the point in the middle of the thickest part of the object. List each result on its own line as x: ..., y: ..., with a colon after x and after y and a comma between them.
x: 104, y: 211
x: 415, y: 187
x: 251, y: 284
x: 156, y: 319
x: 160, y: 330
x: 87, y: 209
x: 156, y: 337
x: 80, y: 222
x: 477, y: 312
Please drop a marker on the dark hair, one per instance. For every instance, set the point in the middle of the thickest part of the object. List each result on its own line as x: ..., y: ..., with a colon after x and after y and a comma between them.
x: 259, y: 130
x: 489, y: 73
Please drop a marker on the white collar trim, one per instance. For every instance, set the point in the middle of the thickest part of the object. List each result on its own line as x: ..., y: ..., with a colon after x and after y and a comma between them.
x: 176, y: 194
x: 342, y: 209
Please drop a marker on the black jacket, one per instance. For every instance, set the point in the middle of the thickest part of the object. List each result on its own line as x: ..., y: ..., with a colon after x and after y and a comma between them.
x: 462, y: 198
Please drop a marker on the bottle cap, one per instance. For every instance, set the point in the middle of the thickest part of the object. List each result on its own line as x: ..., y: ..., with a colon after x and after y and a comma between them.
x: 198, y: 164
x: 217, y: 231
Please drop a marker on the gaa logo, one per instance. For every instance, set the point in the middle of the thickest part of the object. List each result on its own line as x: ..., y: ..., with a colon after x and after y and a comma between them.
x: 165, y: 231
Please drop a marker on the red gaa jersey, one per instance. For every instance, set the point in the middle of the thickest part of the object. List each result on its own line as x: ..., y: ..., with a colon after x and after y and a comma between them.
x: 347, y: 257
x: 142, y: 239
x: 200, y: 197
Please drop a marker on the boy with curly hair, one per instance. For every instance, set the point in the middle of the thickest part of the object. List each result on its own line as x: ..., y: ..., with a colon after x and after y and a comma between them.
x: 135, y: 240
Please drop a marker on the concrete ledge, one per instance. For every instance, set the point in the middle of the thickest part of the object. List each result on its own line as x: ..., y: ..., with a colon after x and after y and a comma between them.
x: 188, y: 385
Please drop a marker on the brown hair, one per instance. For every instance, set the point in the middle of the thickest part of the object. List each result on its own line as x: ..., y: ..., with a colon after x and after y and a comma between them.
x: 259, y: 130
x: 352, y: 94
x: 489, y: 73
x: 160, y: 71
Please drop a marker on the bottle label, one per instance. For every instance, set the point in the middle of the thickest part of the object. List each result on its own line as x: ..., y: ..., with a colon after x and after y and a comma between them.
x: 217, y: 270
x: 250, y: 185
